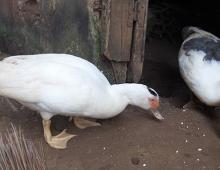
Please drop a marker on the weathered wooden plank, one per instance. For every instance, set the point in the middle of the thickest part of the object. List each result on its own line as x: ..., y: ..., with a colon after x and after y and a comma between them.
x: 115, y: 32
x: 138, y: 46
x: 119, y: 34
x: 126, y: 33
x: 120, y: 71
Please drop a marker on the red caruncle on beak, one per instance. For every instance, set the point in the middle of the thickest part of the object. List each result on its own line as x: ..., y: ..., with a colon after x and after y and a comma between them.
x: 154, y: 103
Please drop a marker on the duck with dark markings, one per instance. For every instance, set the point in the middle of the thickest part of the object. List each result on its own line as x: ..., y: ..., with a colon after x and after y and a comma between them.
x: 199, y: 64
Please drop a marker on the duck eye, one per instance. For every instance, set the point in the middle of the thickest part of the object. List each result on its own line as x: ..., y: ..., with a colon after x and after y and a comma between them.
x: 152, y: 91
x: 152, y: 100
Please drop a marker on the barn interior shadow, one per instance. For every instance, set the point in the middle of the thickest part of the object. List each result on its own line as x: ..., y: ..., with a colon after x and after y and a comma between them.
x: 165, y: 22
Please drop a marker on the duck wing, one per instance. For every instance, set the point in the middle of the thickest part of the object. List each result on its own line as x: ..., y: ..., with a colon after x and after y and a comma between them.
x: 33, y: 78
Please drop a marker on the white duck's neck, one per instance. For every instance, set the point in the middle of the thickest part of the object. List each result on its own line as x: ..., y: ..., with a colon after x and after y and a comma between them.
x: 119, y: 96
x: 127, y: 91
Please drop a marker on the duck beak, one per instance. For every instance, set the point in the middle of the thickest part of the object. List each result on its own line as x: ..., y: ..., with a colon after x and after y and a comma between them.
x: 157, y: 114
x: 154, y: 104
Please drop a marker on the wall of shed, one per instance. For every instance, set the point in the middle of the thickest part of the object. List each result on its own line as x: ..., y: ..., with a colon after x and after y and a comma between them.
x: 45, y: 26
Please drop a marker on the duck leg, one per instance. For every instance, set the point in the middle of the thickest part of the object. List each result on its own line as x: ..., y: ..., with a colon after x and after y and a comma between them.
x: 82, y: 123
x: 59, y: 141
x: 193, y: 103
x: 190, y: 104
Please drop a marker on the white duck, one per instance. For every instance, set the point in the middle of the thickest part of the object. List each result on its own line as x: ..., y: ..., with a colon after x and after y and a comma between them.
x: 63, y: 84
x: 199, y: 63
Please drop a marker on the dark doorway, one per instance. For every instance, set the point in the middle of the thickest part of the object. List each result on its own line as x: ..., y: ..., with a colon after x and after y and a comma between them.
x: 165, y: 22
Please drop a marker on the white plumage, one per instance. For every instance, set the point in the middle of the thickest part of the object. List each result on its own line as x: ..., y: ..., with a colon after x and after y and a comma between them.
x: 67, y: 85
x: 199, y: 63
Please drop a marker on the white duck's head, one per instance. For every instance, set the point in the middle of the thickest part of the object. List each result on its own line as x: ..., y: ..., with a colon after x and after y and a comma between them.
x: 140, y: 95
x: 144, y: 97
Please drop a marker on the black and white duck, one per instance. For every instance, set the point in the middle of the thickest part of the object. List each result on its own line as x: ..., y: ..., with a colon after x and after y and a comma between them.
x: 199, y: 64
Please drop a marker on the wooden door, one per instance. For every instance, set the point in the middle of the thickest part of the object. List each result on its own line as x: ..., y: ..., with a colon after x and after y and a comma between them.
x: 124, y: 27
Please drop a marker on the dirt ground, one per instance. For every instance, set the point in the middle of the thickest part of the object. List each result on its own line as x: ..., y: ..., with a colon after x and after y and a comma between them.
x: 134, y: 140
x: 186, y: 139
